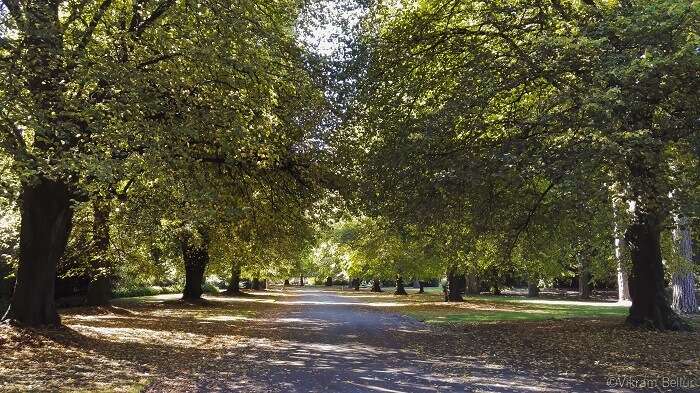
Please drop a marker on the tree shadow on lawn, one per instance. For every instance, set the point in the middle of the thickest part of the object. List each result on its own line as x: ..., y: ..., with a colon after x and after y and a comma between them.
x: 222, y: 343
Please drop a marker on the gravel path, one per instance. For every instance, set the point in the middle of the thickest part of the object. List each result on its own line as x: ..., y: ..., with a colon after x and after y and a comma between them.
x: 322, y: 341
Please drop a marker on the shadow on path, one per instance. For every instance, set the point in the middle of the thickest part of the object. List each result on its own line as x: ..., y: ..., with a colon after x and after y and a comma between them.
x: 322, y: 341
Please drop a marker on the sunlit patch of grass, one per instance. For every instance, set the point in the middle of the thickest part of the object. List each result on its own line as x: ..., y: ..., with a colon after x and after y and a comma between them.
x: 535, y: 312
x: 430, y: 307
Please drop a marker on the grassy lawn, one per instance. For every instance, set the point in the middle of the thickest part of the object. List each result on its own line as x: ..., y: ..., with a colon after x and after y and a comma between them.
x: 430, y: 307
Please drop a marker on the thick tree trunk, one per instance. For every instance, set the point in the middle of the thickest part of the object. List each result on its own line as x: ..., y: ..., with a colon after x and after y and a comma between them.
x: 196, y: 258
x: 286, y: 282
x: 461, y: 280
x: 683, y: 281
x: 420, y: 287
x: 100, y: 288
x: 650, y: 307
x: 533, y: 289
x: 45, y: 226
x: 47, y: 213
x: 329, y: 281
x: 356, y: 284
x: 471, y: 286
x: 400, y: 290
x: 453, y: 288
x: 255, y: 284
x: 234, y: 285
x: 263, y: 284
x: 301, y: 281
x: 376, y: 285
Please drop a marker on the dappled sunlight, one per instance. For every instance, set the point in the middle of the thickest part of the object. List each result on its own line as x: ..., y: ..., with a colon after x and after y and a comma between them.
x: 316, y: 340
x: 430, y: 307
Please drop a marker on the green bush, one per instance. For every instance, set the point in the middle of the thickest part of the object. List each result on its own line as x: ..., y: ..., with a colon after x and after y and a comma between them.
x: 151, y: 290
x: 210, y: 287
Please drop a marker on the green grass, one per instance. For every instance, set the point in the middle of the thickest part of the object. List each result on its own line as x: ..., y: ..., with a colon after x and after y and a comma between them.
x: 531, y: 312
x: 490, y: 308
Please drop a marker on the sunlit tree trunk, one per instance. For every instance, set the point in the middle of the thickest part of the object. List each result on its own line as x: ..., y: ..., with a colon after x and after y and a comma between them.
x: 683, y: 281
x: 623, y: 289
x: 621, y: 254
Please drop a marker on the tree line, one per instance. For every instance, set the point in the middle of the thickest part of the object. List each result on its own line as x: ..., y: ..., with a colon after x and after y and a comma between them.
x: 149, y: 140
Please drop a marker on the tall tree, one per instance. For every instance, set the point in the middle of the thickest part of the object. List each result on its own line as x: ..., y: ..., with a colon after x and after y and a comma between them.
x: 92, y: 90
x: 490, y: 111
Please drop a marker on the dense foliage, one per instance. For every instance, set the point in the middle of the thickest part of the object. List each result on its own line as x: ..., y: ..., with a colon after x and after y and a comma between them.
x: 493, y: 143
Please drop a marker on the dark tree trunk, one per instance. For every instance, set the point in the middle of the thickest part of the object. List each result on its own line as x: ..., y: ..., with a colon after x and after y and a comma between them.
x: 100, y: 288
x: 471, y: 284
x: 533, y: 289
x: 196, y: 258
x: 376, y: 285
x: 286, y: 282
x: 46, y: 211
x: 45, y: 226
x: 453, y: 294
x: 420, y: 287
x: 255, y: 284
x: 461, y: 280
x: 301, y: 281
x: 400, y: 290
x: 584, y: 279
x: 495, y: 289
x: 356, y: 284
x: 650, y: 308
x: 263, y: 284
x: 234, y: 285
x: 329, y: 281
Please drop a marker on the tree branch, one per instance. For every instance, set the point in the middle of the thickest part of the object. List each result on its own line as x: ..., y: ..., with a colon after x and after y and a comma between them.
x: 153, y: 18
x: 75, y: 12
x: 157, y: 59
x: 15, y: 9
x: 530, y: 214
x: 90, y: 30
